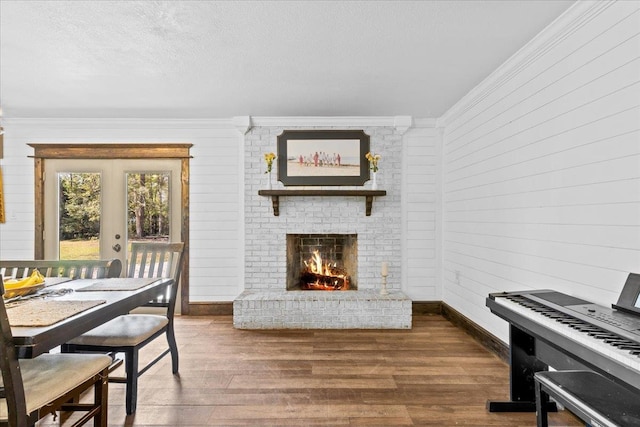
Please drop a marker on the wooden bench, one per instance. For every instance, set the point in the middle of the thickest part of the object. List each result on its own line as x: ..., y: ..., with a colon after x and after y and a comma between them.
x: 593, y: 398
x: 75, y: 269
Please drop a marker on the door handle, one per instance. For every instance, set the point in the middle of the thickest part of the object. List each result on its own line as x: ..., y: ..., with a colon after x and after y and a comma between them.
x: 117, y: 247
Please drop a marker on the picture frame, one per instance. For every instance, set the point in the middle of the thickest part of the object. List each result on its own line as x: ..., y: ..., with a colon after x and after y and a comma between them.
x: 323, y: 157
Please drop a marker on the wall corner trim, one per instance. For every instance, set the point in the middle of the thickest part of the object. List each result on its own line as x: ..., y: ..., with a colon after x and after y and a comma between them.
x: 402, y: 123
x: 242, y: 124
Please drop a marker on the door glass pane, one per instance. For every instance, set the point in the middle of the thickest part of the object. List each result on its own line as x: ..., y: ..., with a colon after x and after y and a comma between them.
x: 147, y: 208
x: 79, y: 215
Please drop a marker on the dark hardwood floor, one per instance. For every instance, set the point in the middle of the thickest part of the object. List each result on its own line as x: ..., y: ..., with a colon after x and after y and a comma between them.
x: 432, y: 375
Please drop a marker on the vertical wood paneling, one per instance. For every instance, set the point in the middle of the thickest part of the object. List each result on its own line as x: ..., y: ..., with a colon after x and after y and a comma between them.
x: 541, y: 182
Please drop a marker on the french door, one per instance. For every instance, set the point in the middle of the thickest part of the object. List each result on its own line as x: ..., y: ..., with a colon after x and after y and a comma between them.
x: 96, y: 207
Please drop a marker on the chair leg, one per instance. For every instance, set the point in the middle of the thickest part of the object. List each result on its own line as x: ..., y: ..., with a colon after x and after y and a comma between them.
x: 173, y: 347
x: 131, y: 368
x: 101, y: 397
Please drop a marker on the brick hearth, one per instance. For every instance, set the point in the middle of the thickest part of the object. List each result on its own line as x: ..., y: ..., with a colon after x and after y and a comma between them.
x: 321, y: 310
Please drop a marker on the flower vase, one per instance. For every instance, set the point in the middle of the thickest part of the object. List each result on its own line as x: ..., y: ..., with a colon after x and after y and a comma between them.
x: 269, y: 181
x: 374, y: 183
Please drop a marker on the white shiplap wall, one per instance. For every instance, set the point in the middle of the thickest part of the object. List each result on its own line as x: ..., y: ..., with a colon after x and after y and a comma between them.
x: 420, y: 205
x: 215, y: 197
x: 541, y: 167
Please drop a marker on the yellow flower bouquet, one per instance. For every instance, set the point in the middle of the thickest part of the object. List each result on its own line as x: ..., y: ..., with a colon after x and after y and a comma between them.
x: 373, y: 161
x: 269, y: 158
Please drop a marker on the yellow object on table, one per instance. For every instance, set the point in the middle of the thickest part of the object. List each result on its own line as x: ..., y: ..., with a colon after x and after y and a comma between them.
x: 20, y: 287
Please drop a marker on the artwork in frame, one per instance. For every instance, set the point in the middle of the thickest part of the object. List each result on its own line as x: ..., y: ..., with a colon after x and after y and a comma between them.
x: 323, y: 157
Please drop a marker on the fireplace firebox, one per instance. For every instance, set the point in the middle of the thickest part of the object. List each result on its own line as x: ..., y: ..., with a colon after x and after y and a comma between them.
x: 322, y: 262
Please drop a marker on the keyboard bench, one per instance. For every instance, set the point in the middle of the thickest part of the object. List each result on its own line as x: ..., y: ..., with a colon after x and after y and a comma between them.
x: 593, y: 398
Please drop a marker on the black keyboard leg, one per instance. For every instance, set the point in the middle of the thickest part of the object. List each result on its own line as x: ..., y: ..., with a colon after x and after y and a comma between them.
x: 523, y: 366
x: 493, y: 406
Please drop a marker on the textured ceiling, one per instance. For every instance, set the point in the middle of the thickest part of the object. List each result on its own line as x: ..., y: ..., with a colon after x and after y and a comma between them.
x: 218, y: 59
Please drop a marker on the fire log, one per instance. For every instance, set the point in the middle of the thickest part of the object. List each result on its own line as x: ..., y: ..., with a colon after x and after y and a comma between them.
x: 314, y: 281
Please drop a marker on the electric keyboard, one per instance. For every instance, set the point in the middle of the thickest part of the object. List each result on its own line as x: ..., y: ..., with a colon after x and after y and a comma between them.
x: 548, y: 328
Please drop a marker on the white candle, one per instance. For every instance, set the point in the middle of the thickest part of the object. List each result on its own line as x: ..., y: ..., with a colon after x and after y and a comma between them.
x: 385, y: 269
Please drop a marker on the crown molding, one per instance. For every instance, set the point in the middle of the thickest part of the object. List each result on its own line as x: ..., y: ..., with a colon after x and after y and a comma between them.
x: 400, y: 123
x: 425, y: 123
x: 554, y: 33
x: 109, y: 123
x: 242, y: 123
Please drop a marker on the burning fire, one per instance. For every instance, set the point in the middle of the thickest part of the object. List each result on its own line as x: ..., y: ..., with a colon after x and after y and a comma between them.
x: 323, y: 276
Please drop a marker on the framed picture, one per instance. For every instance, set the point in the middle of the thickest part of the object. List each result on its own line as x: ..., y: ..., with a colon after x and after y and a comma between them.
x: 323, y: 157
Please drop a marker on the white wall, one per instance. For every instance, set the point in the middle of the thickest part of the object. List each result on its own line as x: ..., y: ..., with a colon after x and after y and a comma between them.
x: 217, y: 194
x: 541, y: 167
x: 216, y: 225
x: 421, y: 208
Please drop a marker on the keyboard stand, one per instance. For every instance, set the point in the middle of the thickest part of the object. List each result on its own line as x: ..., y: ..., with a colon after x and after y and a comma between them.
x: 493, y: 406
x: 524, y: 364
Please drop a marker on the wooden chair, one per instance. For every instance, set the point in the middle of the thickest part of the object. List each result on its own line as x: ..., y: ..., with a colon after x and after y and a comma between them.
x: 75, y: 269
x: 129, y: 333
x: 33, y: 388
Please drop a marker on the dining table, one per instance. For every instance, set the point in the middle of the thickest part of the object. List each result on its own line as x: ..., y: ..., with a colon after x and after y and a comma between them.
x: 65, y: 309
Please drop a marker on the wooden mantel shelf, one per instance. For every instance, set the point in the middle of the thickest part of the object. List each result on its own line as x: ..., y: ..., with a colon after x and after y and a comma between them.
x: 275, y: 196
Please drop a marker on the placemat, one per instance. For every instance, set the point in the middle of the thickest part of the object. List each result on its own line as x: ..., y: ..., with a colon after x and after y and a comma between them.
x: 47, y: 312
x: 117, y: 284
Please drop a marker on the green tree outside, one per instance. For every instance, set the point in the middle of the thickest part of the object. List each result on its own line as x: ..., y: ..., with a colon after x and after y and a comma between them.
x: 80, y: 207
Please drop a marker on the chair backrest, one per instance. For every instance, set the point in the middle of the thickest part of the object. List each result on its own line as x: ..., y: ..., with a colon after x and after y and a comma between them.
x: 12, y: 388
x: 157, y: 259
x: 75, y: 269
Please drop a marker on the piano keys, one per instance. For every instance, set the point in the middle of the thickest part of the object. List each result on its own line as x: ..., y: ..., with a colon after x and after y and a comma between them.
x: 548, y: 328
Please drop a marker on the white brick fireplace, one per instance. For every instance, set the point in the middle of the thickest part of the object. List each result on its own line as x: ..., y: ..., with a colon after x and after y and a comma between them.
x: 266, y: 303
